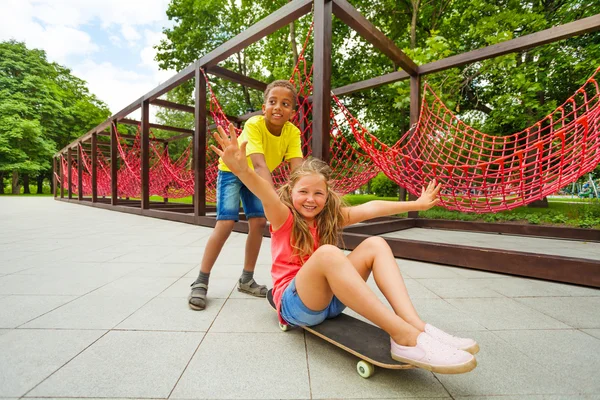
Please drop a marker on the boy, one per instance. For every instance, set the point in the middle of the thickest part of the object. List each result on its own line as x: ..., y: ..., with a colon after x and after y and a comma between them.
x: 271, y: 139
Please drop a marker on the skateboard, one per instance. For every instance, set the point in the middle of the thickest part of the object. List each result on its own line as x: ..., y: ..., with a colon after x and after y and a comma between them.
x: 367, y: 342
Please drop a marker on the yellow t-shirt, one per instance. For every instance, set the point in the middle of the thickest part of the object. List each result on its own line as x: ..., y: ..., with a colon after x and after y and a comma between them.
x: 276, y: 149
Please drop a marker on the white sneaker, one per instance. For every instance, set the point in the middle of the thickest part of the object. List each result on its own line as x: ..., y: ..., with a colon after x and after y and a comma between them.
x: 434, y: 356
x: 466, y: 344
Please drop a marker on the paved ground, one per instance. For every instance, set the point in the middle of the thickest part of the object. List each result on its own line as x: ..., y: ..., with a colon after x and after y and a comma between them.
x: 93, y: 305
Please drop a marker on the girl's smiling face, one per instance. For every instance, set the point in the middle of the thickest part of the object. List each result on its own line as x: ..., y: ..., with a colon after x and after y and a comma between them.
x: 309, y: 196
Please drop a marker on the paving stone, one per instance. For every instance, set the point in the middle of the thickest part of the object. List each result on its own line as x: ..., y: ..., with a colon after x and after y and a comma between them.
x: 162, y: 269
x: 593, y: 332
x: 247, y: 366
x: 27, y: 357
x: 141, y: 286
x: 505, y: 313
x: 460, y: 288
x: 172, y: 314
x: 89, y: 312
x: 145, y: 364
x: 17, y: 310
x: 219, y: 288
x: 568, y: 353
x: 446, y: 316
x: 502, y: 369
x: 49, y: 285
x: 416, y: 270
x: 578, y: 312
x: 246, y: 315
x: 333, y: 375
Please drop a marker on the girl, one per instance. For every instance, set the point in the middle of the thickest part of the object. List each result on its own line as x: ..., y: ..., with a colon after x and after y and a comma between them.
x: 314, y: 280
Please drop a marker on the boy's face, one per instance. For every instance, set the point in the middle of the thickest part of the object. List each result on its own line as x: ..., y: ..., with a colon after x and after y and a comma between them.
x: 279, y: 107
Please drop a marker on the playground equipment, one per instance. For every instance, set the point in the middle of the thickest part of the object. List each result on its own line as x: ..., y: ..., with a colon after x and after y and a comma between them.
x: 589, y: 189
x: 534, y: 161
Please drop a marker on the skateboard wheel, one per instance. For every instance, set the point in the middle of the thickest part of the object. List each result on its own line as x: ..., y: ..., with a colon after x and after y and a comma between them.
x: 284, y: 327
x: 365, y: 369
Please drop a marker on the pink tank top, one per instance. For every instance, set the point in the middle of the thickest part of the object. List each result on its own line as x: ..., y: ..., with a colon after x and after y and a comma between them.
x: 285, y: 266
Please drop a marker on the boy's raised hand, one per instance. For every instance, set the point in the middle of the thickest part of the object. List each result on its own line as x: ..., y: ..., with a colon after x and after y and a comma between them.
x: 233, y: 156
x: 429, y: 196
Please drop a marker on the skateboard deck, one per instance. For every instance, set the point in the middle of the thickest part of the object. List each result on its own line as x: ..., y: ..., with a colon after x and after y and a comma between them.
x: 365, y: 341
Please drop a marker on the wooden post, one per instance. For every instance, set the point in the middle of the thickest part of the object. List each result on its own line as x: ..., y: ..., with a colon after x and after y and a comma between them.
x: 69, y: 174
x: 166, y: 149
x: 415, y: 104
x: 200, y: 145
x: 145, y: 173
x: 62, y: 177
x: 321, y: 107
x: 114, y: 163
x: 94, y: 167
x: 79, y: 172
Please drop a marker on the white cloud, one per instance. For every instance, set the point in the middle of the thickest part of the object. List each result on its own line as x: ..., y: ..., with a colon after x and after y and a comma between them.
x: 60, y: 27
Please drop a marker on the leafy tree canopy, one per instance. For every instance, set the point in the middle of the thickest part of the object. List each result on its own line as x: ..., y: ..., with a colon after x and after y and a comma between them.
x: 42, y: 108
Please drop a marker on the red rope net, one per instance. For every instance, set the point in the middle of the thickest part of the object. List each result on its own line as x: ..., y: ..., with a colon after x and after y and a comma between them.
x: 352, y: 167
x: 167, y: 177
x: 485, y: 173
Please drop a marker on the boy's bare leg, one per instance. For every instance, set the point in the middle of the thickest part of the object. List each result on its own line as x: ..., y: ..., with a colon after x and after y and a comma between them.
x: 374, y: 254
x: 215, y: 243
x: 246, y: 283
x: 327, y: 272
x: 222, y: 230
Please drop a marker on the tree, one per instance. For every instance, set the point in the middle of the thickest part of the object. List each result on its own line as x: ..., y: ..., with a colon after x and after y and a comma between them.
x: 42, y: 108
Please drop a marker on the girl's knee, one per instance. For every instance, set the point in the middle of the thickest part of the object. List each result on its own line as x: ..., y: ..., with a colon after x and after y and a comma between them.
x: 328, y: 252
x: 377, y: 242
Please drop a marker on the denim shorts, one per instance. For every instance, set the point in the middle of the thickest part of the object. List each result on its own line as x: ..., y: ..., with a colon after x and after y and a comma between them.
x: 294, y: 312
x: 229, y: 192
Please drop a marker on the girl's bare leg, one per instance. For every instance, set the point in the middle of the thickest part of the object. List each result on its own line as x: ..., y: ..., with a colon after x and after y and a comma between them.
x: 327, y: 272
x: 374, y: 254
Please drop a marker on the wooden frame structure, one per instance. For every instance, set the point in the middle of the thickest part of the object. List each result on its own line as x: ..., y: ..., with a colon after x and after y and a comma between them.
x: 564, y: 269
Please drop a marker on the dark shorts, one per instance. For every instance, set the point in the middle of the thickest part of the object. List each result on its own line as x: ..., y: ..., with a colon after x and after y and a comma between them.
x: 294, y: 312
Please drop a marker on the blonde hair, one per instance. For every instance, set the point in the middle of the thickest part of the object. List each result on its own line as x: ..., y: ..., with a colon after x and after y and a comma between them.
x: 280, y: 83
x: 329, y: 221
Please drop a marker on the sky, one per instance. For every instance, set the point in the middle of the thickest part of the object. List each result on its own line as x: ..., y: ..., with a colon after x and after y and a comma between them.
x: 107, y: 43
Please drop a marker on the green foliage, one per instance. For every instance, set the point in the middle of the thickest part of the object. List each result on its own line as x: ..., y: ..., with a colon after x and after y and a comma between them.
x: 42, y: 108
x: 382, y: 186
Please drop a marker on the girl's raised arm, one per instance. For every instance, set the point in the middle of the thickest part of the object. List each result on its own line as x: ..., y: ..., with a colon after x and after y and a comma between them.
x: 379, y: 208
x: 234, y: 157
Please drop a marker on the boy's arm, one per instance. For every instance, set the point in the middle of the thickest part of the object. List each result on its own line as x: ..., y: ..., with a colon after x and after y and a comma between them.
x: 234, y: 157
x: 295, y: 162
x: 261, y: 168
x: 379, y: 208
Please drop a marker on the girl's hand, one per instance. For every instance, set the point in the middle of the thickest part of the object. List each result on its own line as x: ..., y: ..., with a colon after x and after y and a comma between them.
x: 233, y: 156
x: 429, y: 197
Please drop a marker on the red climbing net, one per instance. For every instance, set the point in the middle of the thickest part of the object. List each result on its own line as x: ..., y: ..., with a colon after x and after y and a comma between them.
x: 351, y: 166
x: 485, y: 173
x: 167, y: 177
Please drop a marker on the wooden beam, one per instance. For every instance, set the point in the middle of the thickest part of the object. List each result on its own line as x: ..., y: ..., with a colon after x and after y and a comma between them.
x: 94, y: 156
x: 128, y: 121
x: 172, y: 105
x: 322, y: 79
x: 69, y: 173
x: 579, y: 27
x: 415, y: 110
x: 236, y: 78
x: 280, y: 18
x: 371, y: 83
x: 62, y: 178
x: 199, y: 145
x: 145, y: 155
x: 79, y: 173
x: 355, y: 20
x: 114, y: 161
